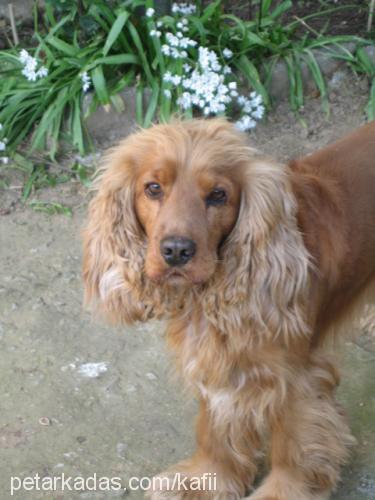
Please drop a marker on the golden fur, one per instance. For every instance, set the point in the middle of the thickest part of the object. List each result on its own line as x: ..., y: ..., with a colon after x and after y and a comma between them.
x: 276, y: 266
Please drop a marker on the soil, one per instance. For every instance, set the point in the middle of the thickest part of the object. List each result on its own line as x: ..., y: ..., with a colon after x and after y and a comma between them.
x: 125, y: 415
x: 349, y: 19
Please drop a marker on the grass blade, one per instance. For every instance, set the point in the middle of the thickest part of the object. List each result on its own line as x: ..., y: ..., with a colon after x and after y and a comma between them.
x: 115, y: 31
x: 316, y: 73
x: 370, y: 108
x: 100, y: 86
x: 248, y: 69
x: 152, y: 106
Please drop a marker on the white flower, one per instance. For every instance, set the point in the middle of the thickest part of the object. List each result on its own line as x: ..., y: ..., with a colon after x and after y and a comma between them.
x: 86, y: 81
x: 186, y: 9
x: 30, y: 67
x: 42, y: 71
x: 245, y: 123
x: 172, y: 39
x: 167, y: 76
x: 227, y: 70
x: 258, y: 112
x: 30, y: 75
x: 227, y: 53
x: 176, y: 80
x: 2, y: 146
x: 5, y: 160
x: 150, y: 12
x: 31, y: 64
x: 232, y: 85
x: 159, y: 24
x: 167, y: 93
x: 166, y: 50
x: 24, y: 56
x: 184, y: 101
x: 155, y: 33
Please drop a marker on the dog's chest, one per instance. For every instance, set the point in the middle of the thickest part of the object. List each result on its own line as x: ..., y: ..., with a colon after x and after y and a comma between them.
x: 234, y: 385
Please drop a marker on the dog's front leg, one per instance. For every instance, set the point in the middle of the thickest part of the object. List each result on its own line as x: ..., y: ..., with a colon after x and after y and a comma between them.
x: 309, y: 438
x: 223, y: 466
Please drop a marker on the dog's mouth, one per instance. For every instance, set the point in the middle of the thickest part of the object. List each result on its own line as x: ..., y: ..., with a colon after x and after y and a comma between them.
x: 176, y: 277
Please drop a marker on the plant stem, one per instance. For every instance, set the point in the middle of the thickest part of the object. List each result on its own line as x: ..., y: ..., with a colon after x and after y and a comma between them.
x: 13, y: 24
x: 370, y: 15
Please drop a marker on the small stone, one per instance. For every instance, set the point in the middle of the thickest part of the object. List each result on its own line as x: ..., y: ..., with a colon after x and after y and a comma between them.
x: 44, y: 421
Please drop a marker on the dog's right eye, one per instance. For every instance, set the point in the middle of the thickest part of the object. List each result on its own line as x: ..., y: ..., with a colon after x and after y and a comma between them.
x: 153, y: 190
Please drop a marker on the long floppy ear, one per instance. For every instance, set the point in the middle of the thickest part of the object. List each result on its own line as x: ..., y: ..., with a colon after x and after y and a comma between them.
x: 113, y: 245
x: 265, y: 265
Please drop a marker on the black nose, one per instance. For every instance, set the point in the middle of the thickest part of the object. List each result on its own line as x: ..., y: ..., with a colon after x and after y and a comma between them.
x: 176, y: 250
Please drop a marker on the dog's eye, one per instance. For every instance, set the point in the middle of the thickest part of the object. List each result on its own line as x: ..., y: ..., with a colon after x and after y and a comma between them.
x: 216, y: 197
x: 153, y: 190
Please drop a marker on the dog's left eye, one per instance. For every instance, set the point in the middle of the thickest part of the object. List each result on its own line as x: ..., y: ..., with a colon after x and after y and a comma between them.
x: 153, y: 190
x: 216, y: 197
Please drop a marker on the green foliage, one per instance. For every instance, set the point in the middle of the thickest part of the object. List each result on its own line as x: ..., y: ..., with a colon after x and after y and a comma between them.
x: 111, y: 42
x: 50, y: 208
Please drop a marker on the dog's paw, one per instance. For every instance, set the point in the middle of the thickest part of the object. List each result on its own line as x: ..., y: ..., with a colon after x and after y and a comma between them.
x: 192, y: 481
x: 178, y: 486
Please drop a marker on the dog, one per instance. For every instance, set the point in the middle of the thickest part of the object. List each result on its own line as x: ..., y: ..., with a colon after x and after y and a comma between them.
x: 254, y: 264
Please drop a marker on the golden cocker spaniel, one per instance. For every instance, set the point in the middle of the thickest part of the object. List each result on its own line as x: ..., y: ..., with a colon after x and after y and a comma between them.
x: 253, y: 263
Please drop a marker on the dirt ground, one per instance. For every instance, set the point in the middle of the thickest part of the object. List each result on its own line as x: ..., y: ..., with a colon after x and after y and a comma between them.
x: 124, y: 415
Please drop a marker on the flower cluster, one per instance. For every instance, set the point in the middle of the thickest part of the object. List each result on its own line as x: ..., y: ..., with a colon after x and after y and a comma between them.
x: 206, y: 83
x: 176, y: 45
x: 185, y: 9
x: 3, y: 145
x: 86, y: 81
x: 252, y: 110
x: 204, y: 87
x: 30, y: 67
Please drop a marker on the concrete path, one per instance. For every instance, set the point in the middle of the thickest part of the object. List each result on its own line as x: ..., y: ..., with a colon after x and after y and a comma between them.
x: 79, y: 398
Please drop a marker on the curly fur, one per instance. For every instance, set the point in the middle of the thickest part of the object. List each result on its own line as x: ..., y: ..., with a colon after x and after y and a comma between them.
x: 248, y: 336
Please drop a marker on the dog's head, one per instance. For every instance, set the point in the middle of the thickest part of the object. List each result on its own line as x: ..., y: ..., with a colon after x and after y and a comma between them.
x: 187, y: 208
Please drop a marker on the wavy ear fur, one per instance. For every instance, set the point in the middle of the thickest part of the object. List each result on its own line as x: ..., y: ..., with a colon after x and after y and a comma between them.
x: 113, y: 245
x: 265, y: 266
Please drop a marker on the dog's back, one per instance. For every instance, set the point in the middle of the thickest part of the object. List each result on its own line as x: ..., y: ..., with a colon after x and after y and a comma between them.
x: 335, y: 189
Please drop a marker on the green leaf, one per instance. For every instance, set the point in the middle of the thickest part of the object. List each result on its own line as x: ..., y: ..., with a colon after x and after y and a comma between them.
x: 118, y: 103
x: 98, y: 81
x: 152, y: 106
x: 77, y: 126
x: 50, y: 207
x: 137, y: 42
x: 370, y: 108
x: 251, y: 73
x: 29, y: 184
x: 119, y: 59
x: 66, y: 48
x: 316, y: 73
x: 139, y: 103
x: 209, y: 11
x: 281, y: 8
x: 115, y: 31
x: 256, y: 40
x: 366, y: 61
